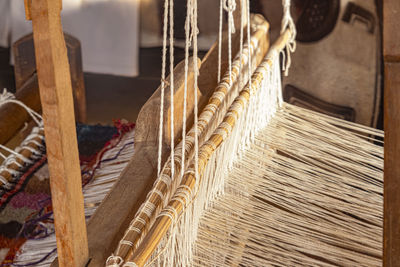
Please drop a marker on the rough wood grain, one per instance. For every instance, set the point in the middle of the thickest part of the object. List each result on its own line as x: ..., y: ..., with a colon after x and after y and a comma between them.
x: 148, y: 117
x: 391, y: 195
x: 58, y: 116
x: 391, y: 255
x: 25, y: 68
x: 391, y: 32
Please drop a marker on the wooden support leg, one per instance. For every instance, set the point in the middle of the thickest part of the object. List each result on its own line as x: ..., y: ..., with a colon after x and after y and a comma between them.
x: 391, y: 193
x: 62, y: 149
x: 391, y: 238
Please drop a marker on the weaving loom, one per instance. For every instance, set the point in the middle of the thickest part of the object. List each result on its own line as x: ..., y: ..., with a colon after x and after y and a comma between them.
x: 207, y: 214
x: 254, y: 182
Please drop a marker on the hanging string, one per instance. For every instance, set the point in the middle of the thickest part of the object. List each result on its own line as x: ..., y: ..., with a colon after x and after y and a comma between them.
x: 171, y: 86
x: 220, y: 38
x: 241, y: 40
x: 288, y: 23
x: 7, y: 97
x: 196, y: 73
x: 164, y: 59
x: 248, y: 42
x: 230, y: 6
x: 187, y: 44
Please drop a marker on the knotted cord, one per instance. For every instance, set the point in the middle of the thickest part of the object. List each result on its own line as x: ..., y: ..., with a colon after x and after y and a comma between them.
x: 230, y: 7
x: 15, y: 157
x: 288, y: 23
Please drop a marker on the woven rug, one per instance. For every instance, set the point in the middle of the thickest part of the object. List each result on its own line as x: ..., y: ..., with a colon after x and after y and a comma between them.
x: 26, y: 219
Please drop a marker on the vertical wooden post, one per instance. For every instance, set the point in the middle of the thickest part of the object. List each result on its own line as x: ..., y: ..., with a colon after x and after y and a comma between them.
x: 61, y: 142
x: 391, y: 52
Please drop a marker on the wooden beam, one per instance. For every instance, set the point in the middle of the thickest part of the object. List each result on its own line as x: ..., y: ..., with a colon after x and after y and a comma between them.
x: 391, y: 32
x: 58, y: 116
x: 391, y: 51
x: 25, y: 67
x: 391, y: 191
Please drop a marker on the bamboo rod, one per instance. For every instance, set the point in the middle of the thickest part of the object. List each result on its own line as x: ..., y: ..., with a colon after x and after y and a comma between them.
x: 163, y: 223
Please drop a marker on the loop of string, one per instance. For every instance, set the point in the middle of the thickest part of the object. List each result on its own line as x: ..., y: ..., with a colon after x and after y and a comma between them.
x: 230, y: 7
x: 114, y: 261
x: 7, y: 97
x: 288, y: 23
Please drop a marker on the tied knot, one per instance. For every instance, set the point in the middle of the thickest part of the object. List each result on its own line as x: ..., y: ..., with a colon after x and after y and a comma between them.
x: 288, y: 23
x: 114, y: 261
x: 5, y: 96
x: 230, y: 7
x: 165, y: 82
x: 191, y: 25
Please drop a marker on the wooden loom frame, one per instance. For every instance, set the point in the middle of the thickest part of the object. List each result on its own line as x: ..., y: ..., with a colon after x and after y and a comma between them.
x: 56, y: 96
x: 391, y: 191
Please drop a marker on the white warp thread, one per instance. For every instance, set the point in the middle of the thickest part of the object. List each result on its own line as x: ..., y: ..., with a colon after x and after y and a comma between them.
x: 195, y: 87
x: 221, y: 3
x: 171, y: 85
x: 288, y: 23
x: 163, y: 67
x: 230, y: 7
x: 248, y: 40
x: 187, y: 45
